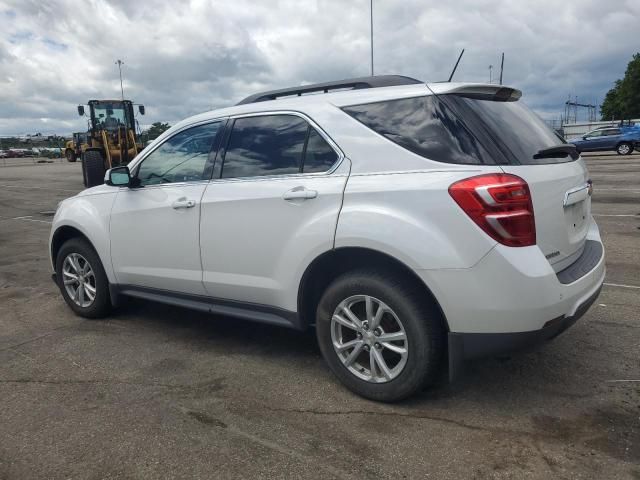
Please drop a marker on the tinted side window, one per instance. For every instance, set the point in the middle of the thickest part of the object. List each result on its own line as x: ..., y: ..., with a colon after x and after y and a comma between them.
x: 423, y: 125
x: 319, y: 156
x: 612, y: 131
x: 265, y: 145
x: 182, y: 158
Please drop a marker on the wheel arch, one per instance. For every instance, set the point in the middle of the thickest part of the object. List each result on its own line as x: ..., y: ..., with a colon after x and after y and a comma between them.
x: 60, y: 236
x: 329, y: 265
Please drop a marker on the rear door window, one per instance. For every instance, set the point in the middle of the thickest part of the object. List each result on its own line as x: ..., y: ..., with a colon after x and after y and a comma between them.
x: 612, y: 131
x: 275, y: 145
x: 425, y: 126
x: 265, y: 145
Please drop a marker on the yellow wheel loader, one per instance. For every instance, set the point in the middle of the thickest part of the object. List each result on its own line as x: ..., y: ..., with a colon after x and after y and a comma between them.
x: 74, y: 148
x: 111, y: 138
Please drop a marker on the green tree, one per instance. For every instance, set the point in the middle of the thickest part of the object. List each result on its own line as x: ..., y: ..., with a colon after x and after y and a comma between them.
x: 154, y: 131
x: 623, y: 100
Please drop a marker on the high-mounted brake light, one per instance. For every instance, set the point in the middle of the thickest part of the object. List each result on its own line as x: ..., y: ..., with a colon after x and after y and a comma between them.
x: 500, y: 204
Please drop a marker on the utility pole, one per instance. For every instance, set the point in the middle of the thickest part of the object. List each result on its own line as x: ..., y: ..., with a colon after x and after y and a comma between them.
x: 490, y: 76
x: 120, y: 63
x: 371, y: 31
x: 126, y: 137
x: 501, y: 67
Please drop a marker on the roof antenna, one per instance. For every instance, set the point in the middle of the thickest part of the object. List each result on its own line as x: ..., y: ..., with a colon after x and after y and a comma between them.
x: 456, y: 66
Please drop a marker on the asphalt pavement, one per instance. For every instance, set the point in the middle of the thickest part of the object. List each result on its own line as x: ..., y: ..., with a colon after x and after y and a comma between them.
x: 160, y: 392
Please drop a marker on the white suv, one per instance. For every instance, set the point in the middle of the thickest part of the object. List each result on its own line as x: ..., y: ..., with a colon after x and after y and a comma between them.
x: 411, y: 223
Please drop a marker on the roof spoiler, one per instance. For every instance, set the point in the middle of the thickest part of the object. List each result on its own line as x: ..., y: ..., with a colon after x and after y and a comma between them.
x: 496, y: 93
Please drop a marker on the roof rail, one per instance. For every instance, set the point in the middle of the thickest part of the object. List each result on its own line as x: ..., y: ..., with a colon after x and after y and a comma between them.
x: 351, y: 83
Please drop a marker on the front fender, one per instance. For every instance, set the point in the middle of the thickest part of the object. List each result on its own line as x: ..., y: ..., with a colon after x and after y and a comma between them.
x: 89, y: 214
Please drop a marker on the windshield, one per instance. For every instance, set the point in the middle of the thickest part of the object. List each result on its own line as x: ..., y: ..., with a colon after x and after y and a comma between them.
x: 515, y: 128
x: 110, y: 116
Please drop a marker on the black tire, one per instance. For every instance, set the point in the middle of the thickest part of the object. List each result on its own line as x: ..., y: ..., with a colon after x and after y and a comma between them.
x: 71, y: 156
x: 101, y: 304
x: 93, y: 168
x: 625, y: 148
x: 421, y: 320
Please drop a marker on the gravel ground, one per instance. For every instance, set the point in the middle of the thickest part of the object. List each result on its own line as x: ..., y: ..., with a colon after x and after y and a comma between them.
x: 155, y: 391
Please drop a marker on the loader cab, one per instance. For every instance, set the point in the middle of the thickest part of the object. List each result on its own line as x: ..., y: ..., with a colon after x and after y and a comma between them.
x: 110, y: 115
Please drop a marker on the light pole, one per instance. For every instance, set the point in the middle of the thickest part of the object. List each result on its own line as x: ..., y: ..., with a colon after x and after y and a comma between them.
x: 120, y: 63
x: 490, y: 76
x: 371, y: 31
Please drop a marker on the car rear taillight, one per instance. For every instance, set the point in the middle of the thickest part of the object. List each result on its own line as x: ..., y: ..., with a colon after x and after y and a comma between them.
x: 500, y: 204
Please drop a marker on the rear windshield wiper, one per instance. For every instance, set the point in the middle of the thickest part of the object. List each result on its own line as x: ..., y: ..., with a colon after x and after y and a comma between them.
x: 559, y: 151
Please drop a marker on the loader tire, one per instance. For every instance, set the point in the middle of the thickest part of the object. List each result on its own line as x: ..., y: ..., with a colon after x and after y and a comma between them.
x: 93, y: 168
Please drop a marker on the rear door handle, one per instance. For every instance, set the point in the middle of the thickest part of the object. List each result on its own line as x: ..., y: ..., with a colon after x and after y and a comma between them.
x: 183, y: 203
x: 299, y: 193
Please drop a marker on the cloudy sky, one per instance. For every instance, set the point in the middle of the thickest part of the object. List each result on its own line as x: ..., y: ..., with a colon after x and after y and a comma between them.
x: 182, y: 58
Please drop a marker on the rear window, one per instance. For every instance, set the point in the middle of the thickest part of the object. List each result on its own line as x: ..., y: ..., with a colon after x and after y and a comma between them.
x: 511, y: 126
x: 425, y: 126
x: 457, y: 129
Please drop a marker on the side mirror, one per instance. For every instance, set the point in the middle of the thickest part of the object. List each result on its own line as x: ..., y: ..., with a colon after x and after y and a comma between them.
x: 584, y: 137
x: 81, y: 110
x: 118, y: 177
x: 141, y: 109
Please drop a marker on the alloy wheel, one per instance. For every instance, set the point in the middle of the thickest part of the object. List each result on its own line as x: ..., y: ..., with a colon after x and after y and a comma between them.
x: 369, y: 339
x: 79, y: 280
x: 623, y: 149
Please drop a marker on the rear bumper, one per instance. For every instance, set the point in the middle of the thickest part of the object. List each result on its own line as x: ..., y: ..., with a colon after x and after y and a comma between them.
x: 514, y: 290
x: 513, y: 298
x: 465, y: 346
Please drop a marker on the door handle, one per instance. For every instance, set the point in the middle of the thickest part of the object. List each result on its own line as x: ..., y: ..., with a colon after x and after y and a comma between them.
x: 183, y: 203
x: 299, y: 193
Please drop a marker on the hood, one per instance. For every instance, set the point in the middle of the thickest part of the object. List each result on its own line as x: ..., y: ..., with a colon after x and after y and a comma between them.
x: 97, y: 190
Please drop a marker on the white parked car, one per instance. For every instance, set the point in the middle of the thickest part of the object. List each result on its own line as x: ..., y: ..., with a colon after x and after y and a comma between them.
x: 413, y: 224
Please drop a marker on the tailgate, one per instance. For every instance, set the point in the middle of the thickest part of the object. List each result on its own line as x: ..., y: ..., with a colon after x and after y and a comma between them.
x: 524, y: 145
x: 562, y: 208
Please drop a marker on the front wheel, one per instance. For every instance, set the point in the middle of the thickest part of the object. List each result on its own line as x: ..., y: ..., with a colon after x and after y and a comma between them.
x: 82, y: 280
x: 379, y: 335
x: 624, y: 149
x: 71, y: 156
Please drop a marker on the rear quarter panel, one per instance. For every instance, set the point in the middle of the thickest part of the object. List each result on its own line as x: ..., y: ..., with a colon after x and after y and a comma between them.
x: 412, y: 217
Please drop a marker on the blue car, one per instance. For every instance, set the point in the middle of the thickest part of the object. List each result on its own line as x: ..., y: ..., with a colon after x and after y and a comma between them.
x: 621, y: 139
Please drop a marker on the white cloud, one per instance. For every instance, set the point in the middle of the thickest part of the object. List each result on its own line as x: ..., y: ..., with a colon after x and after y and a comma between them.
x: 183, y: 58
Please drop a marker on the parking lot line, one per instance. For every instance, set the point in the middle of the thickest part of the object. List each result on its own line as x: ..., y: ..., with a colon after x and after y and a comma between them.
x: 29, y: 219
x: 617, y: 189
x: 621, y: 285
x: 616, y: 215
x: 37, y: 188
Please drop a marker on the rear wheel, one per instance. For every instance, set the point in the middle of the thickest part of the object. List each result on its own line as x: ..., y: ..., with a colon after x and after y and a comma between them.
x: 82, y: 280
x: 93, y: 168
x: 71, y: 156
x: 379, y: 336
x: 624, y: 149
